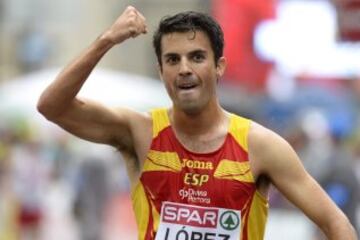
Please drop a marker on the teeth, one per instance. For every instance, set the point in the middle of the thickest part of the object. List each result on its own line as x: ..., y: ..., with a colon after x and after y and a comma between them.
x: 187, y: 86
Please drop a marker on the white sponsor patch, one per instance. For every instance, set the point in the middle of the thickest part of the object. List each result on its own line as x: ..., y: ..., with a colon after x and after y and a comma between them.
x: 190, y: 222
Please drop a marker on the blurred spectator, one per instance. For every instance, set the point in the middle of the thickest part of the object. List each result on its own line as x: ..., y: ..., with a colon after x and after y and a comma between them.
x: 29, y: 178
x: 8, y: 207
x: 91, y: 198
x: 28, y: 174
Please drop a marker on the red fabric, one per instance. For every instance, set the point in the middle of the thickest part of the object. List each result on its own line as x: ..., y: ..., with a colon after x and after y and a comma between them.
x: 239, y: 19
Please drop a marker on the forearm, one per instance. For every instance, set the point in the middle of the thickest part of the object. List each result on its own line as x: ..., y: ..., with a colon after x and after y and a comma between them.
x: 340, y: 229
x: 59, y: 94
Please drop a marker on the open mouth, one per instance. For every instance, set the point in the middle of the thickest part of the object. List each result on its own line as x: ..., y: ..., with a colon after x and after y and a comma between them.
x: 187, y: 86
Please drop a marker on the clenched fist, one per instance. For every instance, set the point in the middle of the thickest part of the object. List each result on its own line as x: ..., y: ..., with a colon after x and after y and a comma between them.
x: 131, y: 23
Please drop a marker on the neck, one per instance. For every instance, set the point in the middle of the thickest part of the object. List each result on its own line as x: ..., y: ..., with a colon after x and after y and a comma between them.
x: 198, y: 123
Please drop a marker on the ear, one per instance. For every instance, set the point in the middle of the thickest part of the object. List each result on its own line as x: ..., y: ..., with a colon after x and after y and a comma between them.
x: 220, y: 67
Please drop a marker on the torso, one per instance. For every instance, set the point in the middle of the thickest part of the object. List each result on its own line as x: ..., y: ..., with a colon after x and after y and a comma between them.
x: 177, y: 164
x: 209, y: 143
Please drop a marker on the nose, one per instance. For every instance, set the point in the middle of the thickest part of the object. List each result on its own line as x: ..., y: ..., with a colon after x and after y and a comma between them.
x: 185, y: 68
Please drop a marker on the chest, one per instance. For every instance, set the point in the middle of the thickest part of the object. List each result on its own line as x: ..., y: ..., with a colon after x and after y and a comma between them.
x: 206, y: 180
x: 202, y: 144
x: 207, y: 172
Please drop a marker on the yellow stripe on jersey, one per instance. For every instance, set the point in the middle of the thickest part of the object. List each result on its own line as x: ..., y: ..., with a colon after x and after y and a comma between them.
x: 257, y: 217
x: 156, y: 217
x: 141, y: 209
x: 233, y: 170
x: 162, y: 161
x: 239, y: 128
x: 160, y: 120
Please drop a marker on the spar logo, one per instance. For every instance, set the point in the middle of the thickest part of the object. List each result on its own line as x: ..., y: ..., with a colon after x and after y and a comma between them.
x: 190, y: 215
x: 229, y: 220
x: 191, y: 222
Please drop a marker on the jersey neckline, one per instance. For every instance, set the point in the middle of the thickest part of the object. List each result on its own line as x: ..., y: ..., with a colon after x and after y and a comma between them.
x: 202, y: 154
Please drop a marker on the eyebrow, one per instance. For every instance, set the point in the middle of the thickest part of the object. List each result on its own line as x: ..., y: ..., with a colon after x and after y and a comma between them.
x: 167, y: 55
x: 196, y: 51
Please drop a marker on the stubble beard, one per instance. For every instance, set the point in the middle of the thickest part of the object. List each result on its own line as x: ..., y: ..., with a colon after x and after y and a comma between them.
x: 193, y: 106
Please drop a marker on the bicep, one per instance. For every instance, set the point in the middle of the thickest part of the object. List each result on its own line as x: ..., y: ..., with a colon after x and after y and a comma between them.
x: 282, y: 166
x: 97, y: 123
x: 292, y: 180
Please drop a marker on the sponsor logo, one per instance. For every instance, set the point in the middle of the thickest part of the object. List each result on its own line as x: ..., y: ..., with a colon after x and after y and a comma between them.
x: 229, y: 220
x: 196, y: 164
x: 194, y: 196
x: 190, y: 215
x: 190, y: 222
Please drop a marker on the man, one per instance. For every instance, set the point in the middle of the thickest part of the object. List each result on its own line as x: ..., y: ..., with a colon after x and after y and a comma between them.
x: 196, y: 171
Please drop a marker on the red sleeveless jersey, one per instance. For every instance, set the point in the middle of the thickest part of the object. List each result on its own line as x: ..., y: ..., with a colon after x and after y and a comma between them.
x: 219, y: 179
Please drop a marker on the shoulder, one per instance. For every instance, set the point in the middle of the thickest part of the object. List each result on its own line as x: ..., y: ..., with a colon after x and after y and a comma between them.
x: 267, y: 149
x: 263, y: 138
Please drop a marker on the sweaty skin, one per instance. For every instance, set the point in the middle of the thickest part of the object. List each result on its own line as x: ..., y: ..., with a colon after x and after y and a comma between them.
x: 190, y: 76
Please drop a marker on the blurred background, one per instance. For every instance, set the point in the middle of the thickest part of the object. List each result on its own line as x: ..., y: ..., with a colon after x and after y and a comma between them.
x: 293, y: 66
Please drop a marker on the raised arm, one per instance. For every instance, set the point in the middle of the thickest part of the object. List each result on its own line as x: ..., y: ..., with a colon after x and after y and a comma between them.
x: 276, y: 159
x: 87, y: 119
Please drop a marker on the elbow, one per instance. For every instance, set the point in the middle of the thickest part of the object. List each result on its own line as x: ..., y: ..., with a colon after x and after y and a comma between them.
x: 44, y: 108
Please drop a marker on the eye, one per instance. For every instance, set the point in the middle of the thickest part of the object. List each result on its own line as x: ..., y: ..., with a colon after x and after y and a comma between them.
x: 198, y: 57
x: 172, y: 60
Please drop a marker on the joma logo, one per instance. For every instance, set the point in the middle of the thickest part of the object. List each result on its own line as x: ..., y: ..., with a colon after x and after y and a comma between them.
x: 196, y: 164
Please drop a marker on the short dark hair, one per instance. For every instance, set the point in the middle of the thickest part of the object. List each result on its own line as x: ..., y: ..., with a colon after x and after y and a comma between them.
x: 190, y: 21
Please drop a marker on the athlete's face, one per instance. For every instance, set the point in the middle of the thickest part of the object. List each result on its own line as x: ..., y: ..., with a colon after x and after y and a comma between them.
x: 189, y: 71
